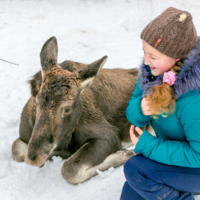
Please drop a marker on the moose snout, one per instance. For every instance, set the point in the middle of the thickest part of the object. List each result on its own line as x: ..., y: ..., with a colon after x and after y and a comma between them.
x: 39, y: 161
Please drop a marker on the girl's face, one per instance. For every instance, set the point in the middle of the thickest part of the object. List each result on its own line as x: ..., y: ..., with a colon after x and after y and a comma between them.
x: 157, y: 61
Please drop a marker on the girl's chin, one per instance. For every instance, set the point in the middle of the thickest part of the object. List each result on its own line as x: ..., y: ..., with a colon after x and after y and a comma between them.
x: 156, y: 73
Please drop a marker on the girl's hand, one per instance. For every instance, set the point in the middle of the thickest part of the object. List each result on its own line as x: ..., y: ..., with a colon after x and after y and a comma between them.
x: 145, y: 106
x: 134, y: 139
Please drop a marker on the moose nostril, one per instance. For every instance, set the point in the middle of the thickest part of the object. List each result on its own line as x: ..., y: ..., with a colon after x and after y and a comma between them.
x: 41, y: 165
x: 32, y: 156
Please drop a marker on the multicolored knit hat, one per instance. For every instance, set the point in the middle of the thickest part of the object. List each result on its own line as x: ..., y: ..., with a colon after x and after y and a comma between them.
x: 172, y: 33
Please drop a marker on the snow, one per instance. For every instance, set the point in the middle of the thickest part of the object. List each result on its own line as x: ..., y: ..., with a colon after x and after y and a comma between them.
x: 86, y: 30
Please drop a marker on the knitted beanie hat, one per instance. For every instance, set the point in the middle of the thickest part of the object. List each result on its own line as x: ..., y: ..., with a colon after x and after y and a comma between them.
x: 172, y: 33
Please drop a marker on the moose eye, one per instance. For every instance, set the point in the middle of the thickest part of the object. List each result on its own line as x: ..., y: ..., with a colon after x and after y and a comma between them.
x: 67, y: 111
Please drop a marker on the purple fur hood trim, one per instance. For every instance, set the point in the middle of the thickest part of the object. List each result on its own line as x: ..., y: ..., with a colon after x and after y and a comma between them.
x: 187, y: 79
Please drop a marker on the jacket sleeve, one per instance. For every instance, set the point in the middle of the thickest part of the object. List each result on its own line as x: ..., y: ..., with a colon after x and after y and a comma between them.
x: 133, y: 111
x: 179, y: 153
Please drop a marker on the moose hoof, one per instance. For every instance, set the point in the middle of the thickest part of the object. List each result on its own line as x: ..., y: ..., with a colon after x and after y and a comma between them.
x: 19, y: 150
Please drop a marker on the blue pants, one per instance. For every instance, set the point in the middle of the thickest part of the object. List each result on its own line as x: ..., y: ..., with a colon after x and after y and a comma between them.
x: 150, y: 180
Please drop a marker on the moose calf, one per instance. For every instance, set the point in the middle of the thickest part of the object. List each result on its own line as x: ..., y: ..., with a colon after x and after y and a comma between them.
x: 75, y: 111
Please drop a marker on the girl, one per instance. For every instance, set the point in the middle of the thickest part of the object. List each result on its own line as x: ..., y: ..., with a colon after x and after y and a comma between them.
x: 166, y: 96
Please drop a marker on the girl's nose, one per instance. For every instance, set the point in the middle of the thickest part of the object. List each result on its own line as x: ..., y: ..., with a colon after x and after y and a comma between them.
x: 146, y: 60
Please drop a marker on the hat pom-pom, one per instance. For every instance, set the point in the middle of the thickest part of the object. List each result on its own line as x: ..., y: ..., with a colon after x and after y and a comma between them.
x: 182, y: 17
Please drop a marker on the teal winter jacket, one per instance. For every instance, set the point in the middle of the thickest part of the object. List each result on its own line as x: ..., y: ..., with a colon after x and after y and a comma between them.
x: 178, y: 135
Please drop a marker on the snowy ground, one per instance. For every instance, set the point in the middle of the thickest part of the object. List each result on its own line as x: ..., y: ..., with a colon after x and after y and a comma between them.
x: 86, y: 30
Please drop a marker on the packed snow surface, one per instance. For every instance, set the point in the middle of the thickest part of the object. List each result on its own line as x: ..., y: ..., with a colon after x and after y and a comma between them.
x: 86, y: 30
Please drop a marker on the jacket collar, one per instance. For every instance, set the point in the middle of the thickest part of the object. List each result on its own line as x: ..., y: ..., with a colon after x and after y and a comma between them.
x: 187, y: 79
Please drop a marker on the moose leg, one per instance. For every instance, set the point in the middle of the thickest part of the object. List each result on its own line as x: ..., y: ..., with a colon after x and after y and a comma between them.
x: 19, y: 146
x: 19, y: 150
x: 90, y: 157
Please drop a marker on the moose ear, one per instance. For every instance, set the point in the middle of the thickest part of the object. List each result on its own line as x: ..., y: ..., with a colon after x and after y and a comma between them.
x: 88, y: 73
x: 49, y: 54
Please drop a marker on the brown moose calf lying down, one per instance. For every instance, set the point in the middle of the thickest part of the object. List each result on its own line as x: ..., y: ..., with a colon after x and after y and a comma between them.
x: 75, y: 111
